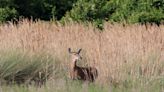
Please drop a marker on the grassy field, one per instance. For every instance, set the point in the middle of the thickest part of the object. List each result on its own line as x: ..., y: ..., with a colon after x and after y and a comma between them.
x: 129, y: 58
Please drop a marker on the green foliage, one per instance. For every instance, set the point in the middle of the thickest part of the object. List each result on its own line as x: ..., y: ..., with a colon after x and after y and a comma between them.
x: 33, y: 8
x: 127, y: 11
x: 154, y: 16
x: 139, y: 11
x: 88, y: 10
x: 96, y: 11
x: 6, y: 3
x: 7, y: 14
x: 91, y: 10
x: 62, y: 7
x: 43, y: 9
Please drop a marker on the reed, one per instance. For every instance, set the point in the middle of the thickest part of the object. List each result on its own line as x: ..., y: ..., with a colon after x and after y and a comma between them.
x: 123, y: 54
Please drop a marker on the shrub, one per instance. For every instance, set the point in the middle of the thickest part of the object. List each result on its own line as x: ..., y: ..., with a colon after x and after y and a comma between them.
x: 43, y: 9
x: 127, y: 11
x: 139, y: 11
x: 91, y: 10
x: 7, y: 14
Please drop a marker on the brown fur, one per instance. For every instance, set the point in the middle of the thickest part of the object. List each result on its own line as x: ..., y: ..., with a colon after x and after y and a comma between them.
x: 81, y: 73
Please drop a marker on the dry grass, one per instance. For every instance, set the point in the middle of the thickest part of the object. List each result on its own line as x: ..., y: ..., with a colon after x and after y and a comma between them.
x: 119, y: 52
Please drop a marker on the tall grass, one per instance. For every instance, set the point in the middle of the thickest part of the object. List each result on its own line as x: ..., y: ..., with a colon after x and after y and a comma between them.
x: 21, y: 68
x: 128, y: 57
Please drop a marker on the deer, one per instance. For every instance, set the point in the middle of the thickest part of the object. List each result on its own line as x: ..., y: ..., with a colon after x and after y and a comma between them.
x: 81, y: 73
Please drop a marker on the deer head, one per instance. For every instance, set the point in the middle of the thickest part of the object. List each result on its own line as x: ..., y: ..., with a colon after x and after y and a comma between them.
x: 75, y: 55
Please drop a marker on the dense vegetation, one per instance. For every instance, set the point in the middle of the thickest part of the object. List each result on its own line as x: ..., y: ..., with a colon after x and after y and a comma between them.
x: 128, y: 58
x: 97, y: 11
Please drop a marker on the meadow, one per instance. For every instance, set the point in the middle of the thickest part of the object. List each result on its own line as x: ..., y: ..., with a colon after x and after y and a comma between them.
x: 129, y: 58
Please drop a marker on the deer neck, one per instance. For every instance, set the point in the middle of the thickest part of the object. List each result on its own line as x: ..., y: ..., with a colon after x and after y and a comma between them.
x: 73, y: 64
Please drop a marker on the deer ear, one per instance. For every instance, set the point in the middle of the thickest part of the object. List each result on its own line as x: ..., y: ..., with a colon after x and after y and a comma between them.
x: 79, y: 51
x: 69, y: 50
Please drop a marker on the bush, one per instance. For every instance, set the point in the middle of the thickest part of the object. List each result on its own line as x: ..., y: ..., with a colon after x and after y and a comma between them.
x: 127, y: 11
x: 43, y: 9
x: 155, y: 16
x: 91, y: 10
x: 7, y: 14
x: 139, y: 11
x: 96, y: 11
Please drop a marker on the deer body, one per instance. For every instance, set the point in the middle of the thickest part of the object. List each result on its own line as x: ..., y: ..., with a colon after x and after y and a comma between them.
x: 81, y: 73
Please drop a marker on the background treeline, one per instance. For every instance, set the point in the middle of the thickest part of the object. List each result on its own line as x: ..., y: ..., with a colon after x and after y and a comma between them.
x: 96, y: 11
